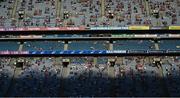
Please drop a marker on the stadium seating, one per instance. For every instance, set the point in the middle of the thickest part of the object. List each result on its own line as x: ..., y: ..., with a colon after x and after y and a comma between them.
x: 135, y: 76
x: 87, y: 45
x: 43, y: 45
x: 38, y: 78
x: 85, y: 76
x: 91, y: 45
x: 102, y: 60
x: 10, y: 46
x: 169, y: 44
x: 133, y: 45
x: 6, y: 75
x: 134, y: 82
x: 171, y: 73
x: 88, y: 13
x: 86, y: 82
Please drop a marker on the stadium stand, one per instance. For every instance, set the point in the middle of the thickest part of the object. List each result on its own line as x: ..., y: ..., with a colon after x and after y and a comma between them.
x: 91, y: 45
x: 38, y: 78
x: 6, y: 75
x: 88, y: 45
x: 171, y: 44
x: 54, y: 65
x: 9, y: 46
x: 133, y: 76
x: 88, y: 13
x: 44, y: 45
x: 133, y: 45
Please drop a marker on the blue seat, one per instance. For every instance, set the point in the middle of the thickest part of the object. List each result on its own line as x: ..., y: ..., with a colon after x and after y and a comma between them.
x: 133, y: 45
x: 87, y: 45
x: 169, y: 44
x: 44, y: 45
x: 11, y: 46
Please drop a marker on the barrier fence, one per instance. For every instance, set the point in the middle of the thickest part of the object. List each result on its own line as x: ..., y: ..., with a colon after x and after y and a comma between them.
x: 92, y: 28
x: 89, y: 52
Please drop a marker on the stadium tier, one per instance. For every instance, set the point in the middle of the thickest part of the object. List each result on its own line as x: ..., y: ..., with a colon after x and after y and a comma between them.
x: 10, y: 46
x: 134, y: 45
x: 6, y: 75
x: 130, y: 76
x: 90, y: 45
x: 89, y: 48
x: 165, y: 44
x: 44, y: 45
x: 88, y: 13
